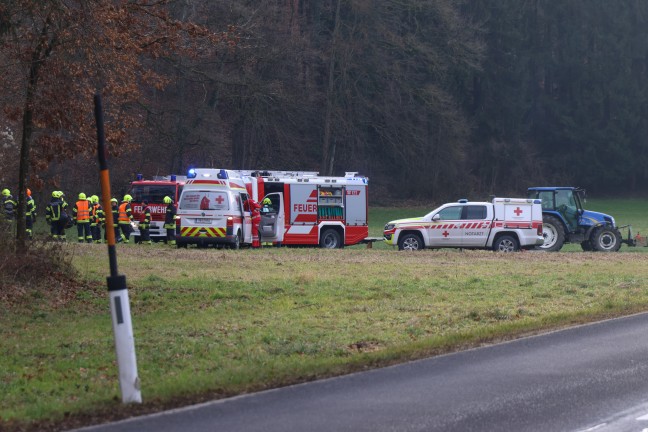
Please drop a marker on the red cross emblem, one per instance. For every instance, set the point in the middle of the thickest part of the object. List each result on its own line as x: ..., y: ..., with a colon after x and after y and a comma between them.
x: 518, y: 211
x: 219, y: 200
x: 445, y: 234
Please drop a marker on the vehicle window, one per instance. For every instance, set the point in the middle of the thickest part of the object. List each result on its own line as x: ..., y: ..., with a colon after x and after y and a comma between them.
x: 154, y: 194
x: 203, y: 200
x: 566, y: 198
x: 451, y: 213
x: 547, y: 199
x: 242, y: 198
x: 474, y: 212
x: 276, y: 201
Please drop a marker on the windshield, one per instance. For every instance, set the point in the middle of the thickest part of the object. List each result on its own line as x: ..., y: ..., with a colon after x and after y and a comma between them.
x: 203, y: 200
x: 153, y: 194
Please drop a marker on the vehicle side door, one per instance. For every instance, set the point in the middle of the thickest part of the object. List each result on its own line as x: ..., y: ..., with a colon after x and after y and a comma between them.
x: 445, y: 228
x: 246, y: 217
x: 475, y: 225
x: 272, y: 226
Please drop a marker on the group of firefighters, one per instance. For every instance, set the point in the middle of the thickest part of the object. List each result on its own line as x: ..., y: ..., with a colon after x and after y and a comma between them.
x: 89, y: 217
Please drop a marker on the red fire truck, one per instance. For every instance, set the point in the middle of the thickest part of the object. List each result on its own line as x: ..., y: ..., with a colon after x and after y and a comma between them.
x: 154, y: 191
x: 307, y: 209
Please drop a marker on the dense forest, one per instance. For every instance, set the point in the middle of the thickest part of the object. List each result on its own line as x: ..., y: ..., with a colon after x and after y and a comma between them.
x: 431, y: 99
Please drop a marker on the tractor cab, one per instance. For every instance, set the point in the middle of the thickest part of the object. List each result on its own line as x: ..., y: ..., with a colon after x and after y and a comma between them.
x: 566, y: 201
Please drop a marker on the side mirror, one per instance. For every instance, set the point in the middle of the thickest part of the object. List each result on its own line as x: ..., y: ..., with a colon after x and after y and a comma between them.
x: 436, y: 217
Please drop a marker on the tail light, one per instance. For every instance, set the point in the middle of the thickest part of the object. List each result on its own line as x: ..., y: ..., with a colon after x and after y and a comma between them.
x: 230, y: 225
x: 540, y: 229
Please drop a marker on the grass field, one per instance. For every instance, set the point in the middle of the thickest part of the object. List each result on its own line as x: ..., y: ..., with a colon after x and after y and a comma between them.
x: 212, y: 323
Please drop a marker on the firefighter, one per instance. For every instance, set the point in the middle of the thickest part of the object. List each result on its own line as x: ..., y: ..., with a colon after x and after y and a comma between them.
x: 169, y: 220
x: 8, y: 205
x: 254, y: 209
x: 119, y: 237
x: 97, y: 218
x: 125, y: 218
x: 267, y: 206
x: 56, y: 216
x: 145, y: 223
x: 81, y: 218
x: 30, y: 214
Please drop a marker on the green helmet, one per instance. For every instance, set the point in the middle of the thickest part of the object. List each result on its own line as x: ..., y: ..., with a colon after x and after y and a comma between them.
x: 94, y: 199
x: 167, y: 200
x: 113, y: 200
x: 128, y: 198
x: 82, y: 196
x: 266, y: 201
x: 5, y: 192
x: 54, y: 194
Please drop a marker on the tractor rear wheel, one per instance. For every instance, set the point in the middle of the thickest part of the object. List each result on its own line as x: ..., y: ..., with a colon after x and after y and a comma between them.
x: 553, y: 233
x: 606, y: 239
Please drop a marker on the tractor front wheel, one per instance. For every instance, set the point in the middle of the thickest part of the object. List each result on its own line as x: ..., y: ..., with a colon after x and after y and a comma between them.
x: 606, y: 239
x: 553, y: 233
x: 587, y: 246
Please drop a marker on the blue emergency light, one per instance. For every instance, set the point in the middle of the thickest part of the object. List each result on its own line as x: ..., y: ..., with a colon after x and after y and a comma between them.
x: 191, y: 173
x: 173, y: 177
x: 139, y: 177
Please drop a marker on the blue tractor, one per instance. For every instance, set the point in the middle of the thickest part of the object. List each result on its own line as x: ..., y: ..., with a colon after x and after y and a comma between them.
x: 565, y: 221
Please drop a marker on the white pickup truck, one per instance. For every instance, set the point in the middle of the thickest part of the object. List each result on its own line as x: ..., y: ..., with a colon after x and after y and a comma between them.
x: 506, y: 225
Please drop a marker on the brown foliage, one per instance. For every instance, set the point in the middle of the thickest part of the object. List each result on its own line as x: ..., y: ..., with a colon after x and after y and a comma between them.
x: 83, y: 47
x: 60, y: 52
x: 43, y: 267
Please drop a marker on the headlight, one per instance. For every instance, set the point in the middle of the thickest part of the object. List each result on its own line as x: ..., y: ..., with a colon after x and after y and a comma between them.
x: 389, y: 226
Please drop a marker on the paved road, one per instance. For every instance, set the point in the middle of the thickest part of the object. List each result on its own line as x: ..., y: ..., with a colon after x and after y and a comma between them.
x: 592, y: 377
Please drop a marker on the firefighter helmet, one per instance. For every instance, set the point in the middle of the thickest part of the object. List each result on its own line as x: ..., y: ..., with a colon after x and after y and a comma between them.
x: 266, y: 201
x: 113, y: 200
x: 128, y: 198
x: 82, y: 196
x: 94, y: 199
x: 5, y: 192
x: 167, y: 200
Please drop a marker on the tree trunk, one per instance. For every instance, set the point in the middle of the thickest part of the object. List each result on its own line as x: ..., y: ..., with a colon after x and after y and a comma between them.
x: 328, y: 149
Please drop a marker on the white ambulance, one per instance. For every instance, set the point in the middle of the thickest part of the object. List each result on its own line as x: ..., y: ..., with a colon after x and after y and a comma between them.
x: 211, y: 210
x: 307, y: 209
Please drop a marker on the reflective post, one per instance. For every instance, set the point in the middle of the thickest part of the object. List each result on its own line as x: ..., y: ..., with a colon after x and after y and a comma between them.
x: 118, y: 292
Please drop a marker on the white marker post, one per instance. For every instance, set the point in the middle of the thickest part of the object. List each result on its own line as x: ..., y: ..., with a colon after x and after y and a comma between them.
x: 119, y: 303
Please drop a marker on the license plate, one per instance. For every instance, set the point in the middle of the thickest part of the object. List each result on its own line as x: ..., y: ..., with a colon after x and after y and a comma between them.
x: 204, y: 221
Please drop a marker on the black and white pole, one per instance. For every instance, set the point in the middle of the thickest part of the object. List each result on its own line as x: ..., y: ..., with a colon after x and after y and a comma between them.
x: 129, y: 382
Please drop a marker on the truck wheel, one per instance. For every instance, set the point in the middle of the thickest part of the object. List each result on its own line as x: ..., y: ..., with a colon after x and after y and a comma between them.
x: 410, y: 242
x: 506, y: 243
x: 330, y: 239
x: 606, y: 239
x: 553, y: 233
x: 236, y: 242
x: 587, y: 246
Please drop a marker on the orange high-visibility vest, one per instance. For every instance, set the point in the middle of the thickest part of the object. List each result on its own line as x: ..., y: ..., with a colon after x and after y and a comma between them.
x: 83, y: 211
x: 123, y: 213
